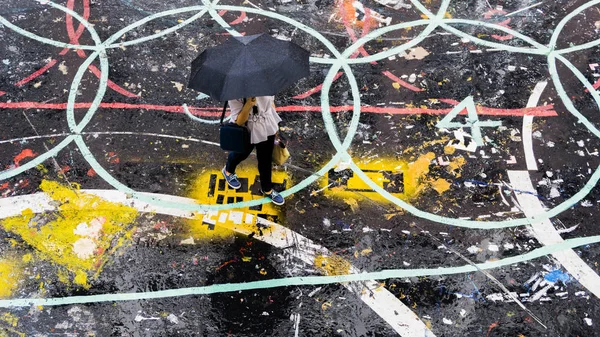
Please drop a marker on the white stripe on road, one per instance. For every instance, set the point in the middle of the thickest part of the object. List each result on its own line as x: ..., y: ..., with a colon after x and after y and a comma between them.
x: 546, y: 234
x: 405, y: 322
x: 528, y: 126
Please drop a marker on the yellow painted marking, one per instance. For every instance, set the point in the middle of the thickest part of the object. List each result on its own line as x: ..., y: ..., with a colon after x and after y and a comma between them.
x: 352, y: 203
x: 63, y: 276
x: 456, y: 164
x: 403, y: 179
x: 10, y: 275
x: 8, y: 324
x: 80, y: 235
x: 440, y: 185
x: 332, y: 265
x: 81, y: 278
x: 211, y: 188
x: 449, y: 149
x: 27, y: 258
x: 9, y: 319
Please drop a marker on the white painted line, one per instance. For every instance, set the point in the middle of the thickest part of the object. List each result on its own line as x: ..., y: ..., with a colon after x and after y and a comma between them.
x: 546, y: 234
x: 405, y: 322
x: 528, y: 126
x: 536, y: 94
x: 13, y: 206
x: 297, y: 324
x: 524, y: 9
x: 528, y: 143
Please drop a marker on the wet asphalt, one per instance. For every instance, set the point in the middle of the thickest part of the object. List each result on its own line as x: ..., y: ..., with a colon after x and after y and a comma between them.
x: 137, y: 145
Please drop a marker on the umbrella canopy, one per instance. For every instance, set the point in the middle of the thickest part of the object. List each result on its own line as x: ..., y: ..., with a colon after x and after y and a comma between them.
x: 245, y: 66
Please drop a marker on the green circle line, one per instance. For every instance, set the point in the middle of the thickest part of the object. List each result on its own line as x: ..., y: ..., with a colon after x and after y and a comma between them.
x: 303, y: 280
x: 338, y: 63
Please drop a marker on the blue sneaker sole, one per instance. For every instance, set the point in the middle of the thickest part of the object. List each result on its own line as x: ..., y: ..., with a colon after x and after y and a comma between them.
x: 276, y: 203
x: 273, y: 201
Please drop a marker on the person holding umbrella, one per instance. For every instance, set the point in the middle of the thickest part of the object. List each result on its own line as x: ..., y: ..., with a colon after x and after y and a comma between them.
x: 246, y: 72
x: 263, y: 123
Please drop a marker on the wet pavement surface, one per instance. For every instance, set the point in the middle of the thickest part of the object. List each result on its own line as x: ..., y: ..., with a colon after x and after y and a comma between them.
x: 442, y: 180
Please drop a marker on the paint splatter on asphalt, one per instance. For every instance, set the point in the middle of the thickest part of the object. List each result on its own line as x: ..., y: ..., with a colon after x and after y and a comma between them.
x: 434, y: 139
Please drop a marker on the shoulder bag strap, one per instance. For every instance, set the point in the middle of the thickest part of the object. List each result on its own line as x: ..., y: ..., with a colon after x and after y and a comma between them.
x: 224, y: 109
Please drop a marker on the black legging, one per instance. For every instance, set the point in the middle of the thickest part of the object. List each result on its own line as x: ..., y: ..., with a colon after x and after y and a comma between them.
x: 264, y: 155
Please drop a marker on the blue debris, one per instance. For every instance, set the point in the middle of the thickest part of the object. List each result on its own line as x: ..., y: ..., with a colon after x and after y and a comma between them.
x: 557, y: 275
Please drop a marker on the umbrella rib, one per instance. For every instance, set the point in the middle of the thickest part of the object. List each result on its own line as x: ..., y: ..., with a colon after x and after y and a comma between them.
x: 273, y: 52
x: 268, y: 74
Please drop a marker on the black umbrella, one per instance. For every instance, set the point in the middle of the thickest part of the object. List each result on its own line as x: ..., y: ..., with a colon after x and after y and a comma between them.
x: 245, y: 66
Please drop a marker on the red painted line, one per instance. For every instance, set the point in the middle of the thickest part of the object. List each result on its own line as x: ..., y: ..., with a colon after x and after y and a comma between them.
x: 489, y: 14
x: 73, y: 35
x: 546, y: 110
x: 502, y: 37
x: 36, y: 74
x: 112, y: 84
x: 401, y: 82
x: 541, y: 111
x: 239, y: 20
x: 86, y: 16
x: 595, y: 85
x: 352, y: 34
x: 362, y: 51
x: 317, y: 88
x: 74, y: 39
x: 505, y: 23
x: 449, y: 101
x: 64, y: 52
x: 365, y: 31
x: 226, y: 263
x: 366, y: 28
x: 40, y: 71
x: 534, y: 111
x: 353, y: 37
x: 367, y: 22
x: 2, y: 93
x: 63, y: 106
x: 27, y: 153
